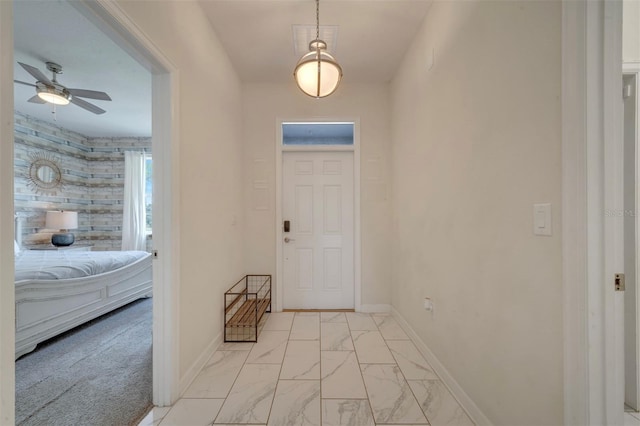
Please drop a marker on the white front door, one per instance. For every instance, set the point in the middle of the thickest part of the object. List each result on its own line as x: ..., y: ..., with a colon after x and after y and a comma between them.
x: 318, y: 250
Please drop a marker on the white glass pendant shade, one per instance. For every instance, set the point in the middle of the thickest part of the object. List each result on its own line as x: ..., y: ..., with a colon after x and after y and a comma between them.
x: 315, y: 66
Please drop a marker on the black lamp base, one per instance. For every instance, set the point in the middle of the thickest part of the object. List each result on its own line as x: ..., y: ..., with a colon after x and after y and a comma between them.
x: 63, y: 240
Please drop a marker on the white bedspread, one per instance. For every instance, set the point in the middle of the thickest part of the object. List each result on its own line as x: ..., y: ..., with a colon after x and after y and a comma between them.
x: 57, y: 265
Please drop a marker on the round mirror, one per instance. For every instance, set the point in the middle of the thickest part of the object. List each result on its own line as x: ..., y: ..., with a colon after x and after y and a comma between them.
x: 44, y: 174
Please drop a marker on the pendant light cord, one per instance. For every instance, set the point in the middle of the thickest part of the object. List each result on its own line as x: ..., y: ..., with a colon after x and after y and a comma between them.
x: 319, y: 78
x: 312, y: 67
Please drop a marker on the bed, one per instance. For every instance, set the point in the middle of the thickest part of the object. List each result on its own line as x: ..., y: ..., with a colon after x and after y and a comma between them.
x: 59, y: 290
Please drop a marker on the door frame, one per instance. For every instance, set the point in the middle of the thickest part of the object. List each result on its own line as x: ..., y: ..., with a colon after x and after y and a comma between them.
x: 633, y: 69
x: 7, y: 273
x: 592, y: 153
x: 110, y: 18
x: 357, y: 246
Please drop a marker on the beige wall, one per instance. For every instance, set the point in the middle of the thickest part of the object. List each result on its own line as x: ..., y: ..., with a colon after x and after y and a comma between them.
x: 264, y: 104
x: 210, y: 166
x: 631, y: 31
x: 476, y: 142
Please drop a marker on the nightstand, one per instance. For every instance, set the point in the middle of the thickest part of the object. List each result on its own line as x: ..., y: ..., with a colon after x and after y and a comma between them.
x: 73, y: 247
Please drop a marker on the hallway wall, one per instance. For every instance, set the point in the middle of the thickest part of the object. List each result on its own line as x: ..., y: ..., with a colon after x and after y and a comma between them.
x: 264, y: 104
x: 631, y: 31
x: 476, y: 131
x: 210, y: 166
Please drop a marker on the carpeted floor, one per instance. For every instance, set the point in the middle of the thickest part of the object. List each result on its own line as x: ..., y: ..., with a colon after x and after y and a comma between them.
x: 96, y: 374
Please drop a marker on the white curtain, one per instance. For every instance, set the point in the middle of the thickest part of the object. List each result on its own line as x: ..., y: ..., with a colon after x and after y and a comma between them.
x: 134, y: 215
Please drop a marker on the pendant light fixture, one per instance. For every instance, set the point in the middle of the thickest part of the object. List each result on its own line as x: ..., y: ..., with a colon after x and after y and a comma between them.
x: 317, y: 73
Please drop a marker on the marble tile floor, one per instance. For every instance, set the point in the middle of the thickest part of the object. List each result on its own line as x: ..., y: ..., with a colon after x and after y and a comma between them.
x: 317, y: 368
x: 631, y: 417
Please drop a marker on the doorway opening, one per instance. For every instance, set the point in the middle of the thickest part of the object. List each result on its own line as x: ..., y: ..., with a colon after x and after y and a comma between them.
x: 86, y: 142
x: 110, y: 18
x: 317, y: 215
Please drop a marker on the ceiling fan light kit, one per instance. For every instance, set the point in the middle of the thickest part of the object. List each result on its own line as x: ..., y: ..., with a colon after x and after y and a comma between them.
x: 54, y: 95
x: 317, y: 73
x: 50, y: 91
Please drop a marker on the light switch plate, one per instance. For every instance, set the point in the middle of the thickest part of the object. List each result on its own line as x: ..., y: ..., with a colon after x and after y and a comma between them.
x: 542, y: 219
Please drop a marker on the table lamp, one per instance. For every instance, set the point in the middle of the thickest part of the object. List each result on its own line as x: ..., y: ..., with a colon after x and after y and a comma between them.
x: 63, y: 221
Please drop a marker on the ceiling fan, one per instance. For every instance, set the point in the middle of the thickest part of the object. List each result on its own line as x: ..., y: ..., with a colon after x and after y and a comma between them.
x: 53, y: 92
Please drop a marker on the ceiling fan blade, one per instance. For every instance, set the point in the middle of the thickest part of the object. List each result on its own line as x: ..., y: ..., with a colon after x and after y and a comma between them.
x: 24, y: 82
x: 37, y: 74
x: 36, y: 100
x: 91, y: 94
x: 86, y: 105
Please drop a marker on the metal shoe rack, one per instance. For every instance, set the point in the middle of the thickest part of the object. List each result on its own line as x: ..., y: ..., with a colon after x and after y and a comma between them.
x: 245, y: 305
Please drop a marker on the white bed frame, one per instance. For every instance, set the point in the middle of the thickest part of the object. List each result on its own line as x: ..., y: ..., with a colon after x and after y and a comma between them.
x: 46, y: 308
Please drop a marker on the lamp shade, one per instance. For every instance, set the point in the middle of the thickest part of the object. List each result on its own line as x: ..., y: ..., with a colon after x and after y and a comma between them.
x: 61, y: 220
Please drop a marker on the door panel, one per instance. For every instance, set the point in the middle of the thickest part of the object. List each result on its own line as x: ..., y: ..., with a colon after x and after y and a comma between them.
x: 304, y: 269
x: 318, y: 267
x: 304, y: 209
x: 332, y: 210
x: 332, y: 268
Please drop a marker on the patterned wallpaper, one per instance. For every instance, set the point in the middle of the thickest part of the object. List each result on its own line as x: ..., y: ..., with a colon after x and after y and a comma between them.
x: 93, y: 182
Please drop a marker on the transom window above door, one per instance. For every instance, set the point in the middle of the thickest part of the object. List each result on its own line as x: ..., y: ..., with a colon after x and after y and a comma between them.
x: 324, y: 133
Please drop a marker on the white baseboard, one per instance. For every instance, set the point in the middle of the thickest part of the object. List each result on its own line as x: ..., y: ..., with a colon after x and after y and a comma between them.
x: 371, y: 309
x: 199, y: 364
x: 456, y: 390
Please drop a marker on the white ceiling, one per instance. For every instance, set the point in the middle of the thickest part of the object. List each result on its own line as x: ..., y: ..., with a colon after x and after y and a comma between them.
x: 54, y: 31
x: 372, y: 37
